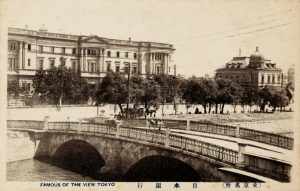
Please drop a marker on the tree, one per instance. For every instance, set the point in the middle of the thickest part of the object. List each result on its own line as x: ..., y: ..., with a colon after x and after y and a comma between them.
x: 13, y: 89
x: 278, y: 99
x: 289, y: 89
x: 145, y: 91
x: 113, y: 89
x: 228, y: 91
x: 60, y: 85
x: 169, y: 89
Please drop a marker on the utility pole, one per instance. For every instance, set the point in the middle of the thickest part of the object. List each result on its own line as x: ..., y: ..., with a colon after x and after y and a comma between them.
x: 281, y: 91
x: 128, y: 88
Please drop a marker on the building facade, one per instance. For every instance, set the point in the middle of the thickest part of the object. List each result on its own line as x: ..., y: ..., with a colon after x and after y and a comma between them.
x: 92, y: 56
x: 254, y: 71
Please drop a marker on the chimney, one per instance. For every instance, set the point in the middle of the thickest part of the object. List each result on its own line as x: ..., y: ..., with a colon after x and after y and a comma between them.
x: 129, y: 39
x: 257, y: 48
x: 240, y: 52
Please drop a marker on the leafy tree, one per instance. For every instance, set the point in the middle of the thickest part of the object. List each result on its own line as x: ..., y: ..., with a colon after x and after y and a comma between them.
x: 228, y: 91
x: 278, y: 98
x: 13, y: 89
x: 113, y: 89
x: 58, y: 85
x: 290, y: 91
x: 170, y: 89
x: 150, y: 94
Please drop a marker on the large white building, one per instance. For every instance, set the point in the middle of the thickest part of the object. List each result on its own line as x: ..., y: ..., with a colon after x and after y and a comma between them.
x: 92, y: 56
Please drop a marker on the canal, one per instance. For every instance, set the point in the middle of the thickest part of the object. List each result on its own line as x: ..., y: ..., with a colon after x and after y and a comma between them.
x: 34, y: 170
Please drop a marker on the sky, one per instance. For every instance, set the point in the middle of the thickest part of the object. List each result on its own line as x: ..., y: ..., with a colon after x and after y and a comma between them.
x: 205, y: 34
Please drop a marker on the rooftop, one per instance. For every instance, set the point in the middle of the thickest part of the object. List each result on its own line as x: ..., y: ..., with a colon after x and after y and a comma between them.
x: 44, y: 33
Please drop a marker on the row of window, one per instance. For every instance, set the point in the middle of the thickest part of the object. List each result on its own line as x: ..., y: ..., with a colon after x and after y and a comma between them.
x: 12, y: 46
x: 262, y: 78
x: 126, y: 54
x: 269, y: 79
x: 88, y: 51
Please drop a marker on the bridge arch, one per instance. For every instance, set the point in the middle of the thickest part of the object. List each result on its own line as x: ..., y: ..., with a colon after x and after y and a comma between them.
x: 161, y: 168
x: 78, y: 156
x: 122, y: 156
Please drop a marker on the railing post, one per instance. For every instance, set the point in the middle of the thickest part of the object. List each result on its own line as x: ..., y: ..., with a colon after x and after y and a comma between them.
x: 237, y: 132
x: 241, y: 156
x: 79, y: 126
x: 118, y: 123
x: 46, y: 125
x: 187, y: 124
x: 167, y: 141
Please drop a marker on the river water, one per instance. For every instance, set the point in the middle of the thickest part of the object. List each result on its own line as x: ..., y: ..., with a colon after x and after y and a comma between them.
x: 34, y: 170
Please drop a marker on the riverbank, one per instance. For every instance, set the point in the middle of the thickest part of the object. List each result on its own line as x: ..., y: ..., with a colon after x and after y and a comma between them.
x: 278, y: 122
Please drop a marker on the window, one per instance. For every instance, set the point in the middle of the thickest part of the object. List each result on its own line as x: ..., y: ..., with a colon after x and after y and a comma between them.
x: 273, y: 79
x: 12, y: 63
x: 28, y: 62
x: 278, y: 78
x: 28, y: 86
x: 93, y: 52
x: 12, y: 46
x: 63, y: 50
x: 40, y: 48
x: 108, y: 66
x: 135, y: 70
x: 29, y: 47
x: 118, y: 54
x: 108, y: 53
x: 157, y: 69
x: 52, y: 49
x: 73, y: 65
x: 63, y: 62
x: 41, y: 64
x: 126, y: 54
x: 52, y: 62
x: 269, y: 79
x: 74, y: 51
x: 88, y: 51
x: 117, y: 67
x: 262, y: 78
x: 135, y: 56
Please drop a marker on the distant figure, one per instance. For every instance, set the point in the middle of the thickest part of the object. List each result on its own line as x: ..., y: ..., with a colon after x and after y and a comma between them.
x: 160, y: 124
x: 197, y: 110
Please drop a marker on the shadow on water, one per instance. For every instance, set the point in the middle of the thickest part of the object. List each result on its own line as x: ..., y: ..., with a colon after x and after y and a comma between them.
x: 161, y: 168
x: 79, y: 157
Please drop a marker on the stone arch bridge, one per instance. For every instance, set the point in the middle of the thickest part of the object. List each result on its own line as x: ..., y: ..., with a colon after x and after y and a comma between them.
x: 132, y: 154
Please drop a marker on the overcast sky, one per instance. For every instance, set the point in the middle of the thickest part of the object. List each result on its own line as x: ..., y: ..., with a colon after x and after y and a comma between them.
x: 206, y: 34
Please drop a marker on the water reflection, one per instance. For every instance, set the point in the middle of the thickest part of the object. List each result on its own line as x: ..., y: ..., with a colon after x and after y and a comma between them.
x: 34, y: 170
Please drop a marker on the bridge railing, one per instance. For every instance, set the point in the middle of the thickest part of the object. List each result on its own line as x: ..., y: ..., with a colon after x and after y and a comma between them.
x: 204, y: 148
x: 26, y: 124
x: 83, y: 127
x: 147, y: 135
x: 175, y: 124
x: 225, y: 130
x: 152, y: 136
x: 269, y: 138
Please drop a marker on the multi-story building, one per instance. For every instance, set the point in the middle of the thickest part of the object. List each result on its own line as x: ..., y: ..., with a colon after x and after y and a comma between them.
x: 92, y: 56
x: 254, y: 71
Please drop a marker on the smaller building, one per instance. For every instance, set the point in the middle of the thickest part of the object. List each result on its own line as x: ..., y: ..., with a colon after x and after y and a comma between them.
x: 251, y: 72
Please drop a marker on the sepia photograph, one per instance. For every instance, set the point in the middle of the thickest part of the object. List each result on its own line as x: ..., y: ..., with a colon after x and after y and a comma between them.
x: 149, y: 95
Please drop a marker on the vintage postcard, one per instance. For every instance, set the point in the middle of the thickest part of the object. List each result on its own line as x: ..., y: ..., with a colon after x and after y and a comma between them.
x: 149, y: 95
